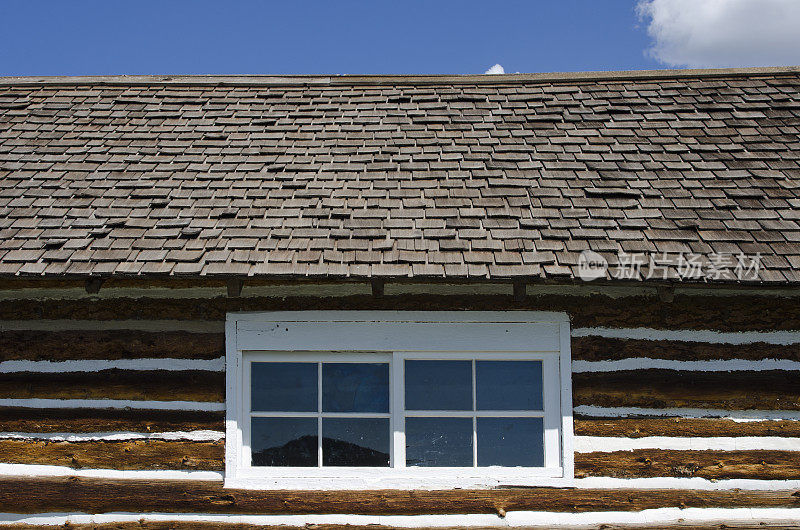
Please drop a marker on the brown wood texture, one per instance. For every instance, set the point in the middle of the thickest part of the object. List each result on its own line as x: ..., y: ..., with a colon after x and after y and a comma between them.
x: 118, y: 344
x: 607, y: 349
x: 19, y: 419
x: 776, y: 465
x: 39, y: 495
x: 184, y: 525
x: 697, y: 427
x: 769, y: 390
x: 726, y: 313
x: 135, y: 454
x: 159, y: 385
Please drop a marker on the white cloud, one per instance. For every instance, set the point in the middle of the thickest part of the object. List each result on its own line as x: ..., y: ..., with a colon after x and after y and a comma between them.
x: 723, y: 33
x: 496, y: 69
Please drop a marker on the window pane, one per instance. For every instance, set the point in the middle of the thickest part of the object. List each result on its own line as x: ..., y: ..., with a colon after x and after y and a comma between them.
x: 439, y: 442
x: 511, y: 442
x: 438, y: 385
x: 284, y: 387
x: 355, y: 387
x: 355, y: 442
x: 508, y: 385
x: 284, y: 442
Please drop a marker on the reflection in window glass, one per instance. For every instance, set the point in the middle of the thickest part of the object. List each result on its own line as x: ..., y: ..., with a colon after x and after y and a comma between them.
x: 284, y: 442
x: 355, y: 442
x: 508, y: 385
x: 355, y: 387
x: 439, y: 442
x: 284, y: 387
x: 438, y: 385
x: 511, y: 442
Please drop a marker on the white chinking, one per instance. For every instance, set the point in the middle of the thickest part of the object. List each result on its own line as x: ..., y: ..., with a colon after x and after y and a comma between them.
x: 38, y: 403
x: 91, y: 365
x: 691, y: 335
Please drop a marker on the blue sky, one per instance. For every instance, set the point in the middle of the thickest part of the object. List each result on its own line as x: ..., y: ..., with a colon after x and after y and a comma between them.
x: 312, y: 37
x: 58, y: 37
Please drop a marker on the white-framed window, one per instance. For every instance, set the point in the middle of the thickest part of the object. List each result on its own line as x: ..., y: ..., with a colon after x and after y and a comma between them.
x: 370, y: 400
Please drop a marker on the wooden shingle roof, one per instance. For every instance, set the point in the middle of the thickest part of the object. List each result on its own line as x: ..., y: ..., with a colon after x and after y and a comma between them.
x: 444, y: 177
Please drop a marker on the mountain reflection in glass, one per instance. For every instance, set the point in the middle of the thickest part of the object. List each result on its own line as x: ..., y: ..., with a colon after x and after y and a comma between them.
x: 508, y: 385
x: 288, y: 442
x: 438, y: 385
x: 510, y: 442
x: 355, y: 442
x: 439, y: 442
x: 284, y: 387
x: 355, y: 387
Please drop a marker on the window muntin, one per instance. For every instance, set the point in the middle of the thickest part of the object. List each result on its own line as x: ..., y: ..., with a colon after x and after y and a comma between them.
x: 327, y: 410
x: 477, y: 412
x: 316, y: 413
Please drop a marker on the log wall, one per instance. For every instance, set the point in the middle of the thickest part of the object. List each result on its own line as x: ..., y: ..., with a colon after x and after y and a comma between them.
x: 704, y: 388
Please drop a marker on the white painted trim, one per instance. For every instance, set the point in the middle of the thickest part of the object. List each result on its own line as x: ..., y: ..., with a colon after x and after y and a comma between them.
x: 35, y: 470
x: 433, y: 334
x: 92, y: 365
x: 117, y: 436
x: 646, y: 363
x: 565, y: 378
x: 591, y: 444
x: 735, y: 415
x: 39, y: 403
x: 435, y: 317
x: 234, y: 397
x: 512, y: 519
x: 189, y: 326
x: 692, y: 335
x: 399, y: 331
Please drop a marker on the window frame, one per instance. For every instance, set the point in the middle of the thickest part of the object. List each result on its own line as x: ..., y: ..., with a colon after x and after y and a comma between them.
x: 395, y: 336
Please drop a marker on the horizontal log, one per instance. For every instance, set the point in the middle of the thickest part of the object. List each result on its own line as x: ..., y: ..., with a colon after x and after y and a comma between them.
x: 41, y: 495
x: 120, y: 344
x: 129, y: 455
x: 741, y: 313
x: 157, y: 454
x: 767, y: 390
x: 191, y: 525
x: 773, y: 465
x: 756, y: 523
x: 609, y: 349
x: 194, y: 385
x: 690, y: 427
x: 18, y: 419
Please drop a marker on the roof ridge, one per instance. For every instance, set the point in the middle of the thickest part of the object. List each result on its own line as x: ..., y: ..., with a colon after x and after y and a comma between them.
x: 255, y: 80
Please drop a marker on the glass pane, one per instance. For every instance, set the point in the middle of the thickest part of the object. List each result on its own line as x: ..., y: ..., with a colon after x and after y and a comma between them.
x: 284, y: 387
x: 284, y: 442
x: 355, y: 442
x: 511, y: 442
x: 355, y: 387
x: 508, y: 385
x: 438, y: 385
x: 439, y: 442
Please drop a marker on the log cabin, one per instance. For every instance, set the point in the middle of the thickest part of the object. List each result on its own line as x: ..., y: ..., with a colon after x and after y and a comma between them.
x: 547, y: 300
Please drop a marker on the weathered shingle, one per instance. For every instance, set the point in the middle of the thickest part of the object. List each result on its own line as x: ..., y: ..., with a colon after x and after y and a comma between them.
x: 492, y: 177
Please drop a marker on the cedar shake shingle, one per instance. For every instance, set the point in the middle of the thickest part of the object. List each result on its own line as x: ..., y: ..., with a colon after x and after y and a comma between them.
x: 354, y: 177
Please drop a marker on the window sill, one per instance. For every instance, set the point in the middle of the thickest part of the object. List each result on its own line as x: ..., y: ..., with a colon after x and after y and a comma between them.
x: 403, y: 479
